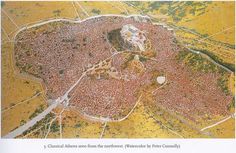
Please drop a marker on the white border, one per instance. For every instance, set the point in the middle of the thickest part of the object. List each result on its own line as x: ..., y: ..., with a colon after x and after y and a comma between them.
x: 187, y: 145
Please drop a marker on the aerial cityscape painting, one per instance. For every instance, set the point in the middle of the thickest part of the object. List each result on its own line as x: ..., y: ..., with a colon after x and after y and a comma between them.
x: 117, y: 69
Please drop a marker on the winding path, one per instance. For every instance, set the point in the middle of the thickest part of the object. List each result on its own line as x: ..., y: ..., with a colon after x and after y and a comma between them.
x: 217, y: 123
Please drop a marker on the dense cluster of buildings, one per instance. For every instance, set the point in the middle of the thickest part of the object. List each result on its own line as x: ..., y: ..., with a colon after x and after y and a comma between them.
x: 59, y: 53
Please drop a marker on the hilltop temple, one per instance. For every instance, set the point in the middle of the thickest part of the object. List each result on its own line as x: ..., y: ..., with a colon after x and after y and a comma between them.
x: 133, y: 36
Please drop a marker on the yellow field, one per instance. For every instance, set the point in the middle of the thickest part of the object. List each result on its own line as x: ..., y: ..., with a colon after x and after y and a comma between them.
x: 224, y: 130
x: 76, y: 126
x: 20, y: 114
x: 138, y: 125
x: 218, y: 16
x: 15, y: 90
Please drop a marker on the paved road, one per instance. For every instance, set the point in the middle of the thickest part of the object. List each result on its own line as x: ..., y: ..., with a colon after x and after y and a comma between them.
x: 32, y: 122
x: 39, y: 117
